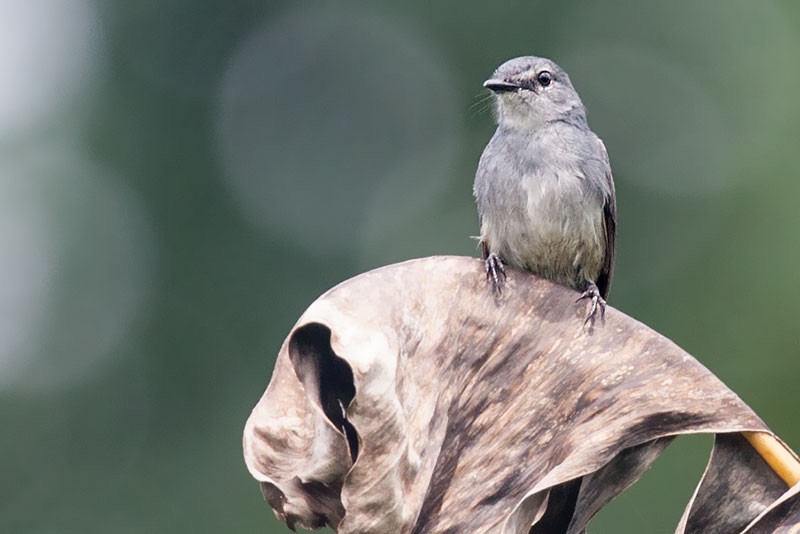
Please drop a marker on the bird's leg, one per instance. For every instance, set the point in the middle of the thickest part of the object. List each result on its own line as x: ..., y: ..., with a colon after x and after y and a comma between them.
x: 495, y: 270
x: 597, y: 302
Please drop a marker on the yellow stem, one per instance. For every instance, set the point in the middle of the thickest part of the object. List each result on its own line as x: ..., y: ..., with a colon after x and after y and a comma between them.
x: 778, y: 456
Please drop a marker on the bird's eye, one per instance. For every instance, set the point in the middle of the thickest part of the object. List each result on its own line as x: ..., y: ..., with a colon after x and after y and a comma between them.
x: 544, y: 78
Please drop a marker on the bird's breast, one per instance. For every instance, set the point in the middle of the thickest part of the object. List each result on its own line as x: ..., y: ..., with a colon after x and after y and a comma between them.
x: 551, y: 224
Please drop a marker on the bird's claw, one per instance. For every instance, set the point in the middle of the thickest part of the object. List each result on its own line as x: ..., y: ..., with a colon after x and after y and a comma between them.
x: 495, y: 271
x: 597, y: 302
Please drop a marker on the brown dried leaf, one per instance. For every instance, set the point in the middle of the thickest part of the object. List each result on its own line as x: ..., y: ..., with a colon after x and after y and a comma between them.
x: 782, y: 517
x: 412, y: 399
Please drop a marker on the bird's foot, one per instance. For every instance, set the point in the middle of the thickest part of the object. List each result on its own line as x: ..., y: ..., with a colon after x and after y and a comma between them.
x: 495, y: 271
x: 597, y: 302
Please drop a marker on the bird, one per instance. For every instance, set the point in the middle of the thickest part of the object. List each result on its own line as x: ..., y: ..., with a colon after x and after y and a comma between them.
x: 543, y: 188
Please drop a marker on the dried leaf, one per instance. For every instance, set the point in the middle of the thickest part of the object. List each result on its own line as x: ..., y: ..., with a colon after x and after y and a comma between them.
x: 782, y: 517
x: 413, y: 399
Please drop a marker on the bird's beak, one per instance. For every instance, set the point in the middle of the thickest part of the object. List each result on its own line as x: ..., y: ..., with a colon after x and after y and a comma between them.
x: 500, y: 86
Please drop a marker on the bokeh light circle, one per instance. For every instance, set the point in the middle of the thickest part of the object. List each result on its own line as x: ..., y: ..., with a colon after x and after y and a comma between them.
x: 50, y: 54
x: 333, y: 125
x: 79, y: 258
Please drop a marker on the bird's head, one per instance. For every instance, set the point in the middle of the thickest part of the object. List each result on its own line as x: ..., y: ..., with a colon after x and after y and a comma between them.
x: 531, y: 91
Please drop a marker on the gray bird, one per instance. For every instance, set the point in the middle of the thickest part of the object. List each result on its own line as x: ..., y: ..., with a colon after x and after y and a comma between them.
x: 544, y: 189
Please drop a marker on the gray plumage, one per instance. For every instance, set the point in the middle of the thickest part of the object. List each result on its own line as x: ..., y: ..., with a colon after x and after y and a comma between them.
x: 544, y: 189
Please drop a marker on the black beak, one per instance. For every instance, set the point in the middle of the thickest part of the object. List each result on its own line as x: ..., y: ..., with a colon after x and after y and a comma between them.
x: 500, y: 86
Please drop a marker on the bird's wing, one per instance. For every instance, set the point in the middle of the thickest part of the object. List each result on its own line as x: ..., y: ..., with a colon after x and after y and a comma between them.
x: 609, y: 226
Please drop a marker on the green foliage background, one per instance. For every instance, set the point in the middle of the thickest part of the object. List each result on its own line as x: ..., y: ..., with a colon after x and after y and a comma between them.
x: 197, y: 172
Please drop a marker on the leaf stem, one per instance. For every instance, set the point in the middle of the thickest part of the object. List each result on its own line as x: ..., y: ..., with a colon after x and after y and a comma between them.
x: 778, y: 456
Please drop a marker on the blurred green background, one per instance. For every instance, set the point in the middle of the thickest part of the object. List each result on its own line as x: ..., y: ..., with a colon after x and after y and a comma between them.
x: 180, y: 179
